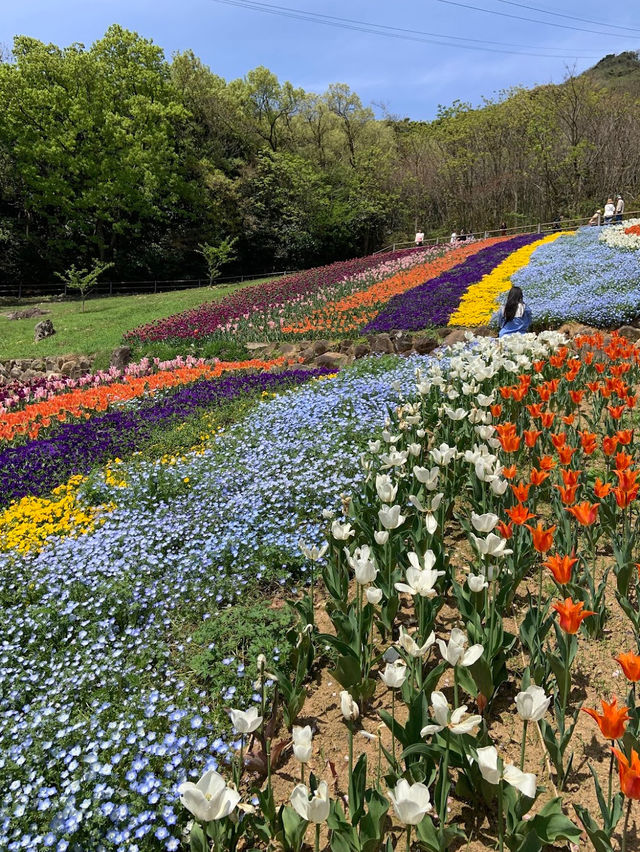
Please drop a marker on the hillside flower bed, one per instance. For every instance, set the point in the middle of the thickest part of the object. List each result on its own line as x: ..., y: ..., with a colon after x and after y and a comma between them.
x: 434, y: 302
x: 352, y: 312
x: 101, y: 714
x: 86, y: 401
x: 479, y: 303
x: 37, y: 467
x: 259, y: 312
x: 582, y: 278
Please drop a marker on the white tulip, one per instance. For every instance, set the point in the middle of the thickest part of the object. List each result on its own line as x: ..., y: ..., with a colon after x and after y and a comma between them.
x: 374, y: 596
x: 374, y: 446
x: 313, y: 553
x: 492, y: 545
x: 312, y: 808
x: 341, y: 532
x: 532, y: 704
x: 327, y: 514
x: 427, y: 476
x: 385, y: 488
x: 394, y: 674
x: 455, y: 415
x: 390, y: 517
x: 381, y: 536
x: 443, y: 454
x: 363, y: 565
x: 245, y: 722
x: 348, y: 706
x: 484, y: 400
x: 477, y: 583
x: 455, y: 651
x: 210, y: 798
x: 499, y: 486
x: 302, y: 747
x: 484, y: 523
x: 415, y: 449
x: 410, y: 801
x: 421, y: 581
x: 444, y: 718
x: 408, y: 643
x: 394, y: 459
x: 491, y: 772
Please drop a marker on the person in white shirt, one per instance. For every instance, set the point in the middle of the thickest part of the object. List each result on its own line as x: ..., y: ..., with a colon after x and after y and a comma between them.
x: 419, y: 238
x: 454, y: 238
x: 609, y: 211
x: 619, y: 208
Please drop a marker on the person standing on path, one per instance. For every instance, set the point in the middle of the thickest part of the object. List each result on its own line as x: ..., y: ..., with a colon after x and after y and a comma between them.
x: 419, y: 238
x: 619, y: 209
x: 609, y: 211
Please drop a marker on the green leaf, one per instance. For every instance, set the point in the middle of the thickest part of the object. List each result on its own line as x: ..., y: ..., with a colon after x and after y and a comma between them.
x: 599, y: 839
x: 551, y: 824
x: 198, y: 839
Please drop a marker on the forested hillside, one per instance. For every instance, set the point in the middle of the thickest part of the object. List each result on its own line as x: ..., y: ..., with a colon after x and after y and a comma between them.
x: 117, y: 153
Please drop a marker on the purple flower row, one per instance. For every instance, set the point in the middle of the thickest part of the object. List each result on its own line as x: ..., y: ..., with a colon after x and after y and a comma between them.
x: 433, y: 303
x: 211, y: 317
x: 40, y: 466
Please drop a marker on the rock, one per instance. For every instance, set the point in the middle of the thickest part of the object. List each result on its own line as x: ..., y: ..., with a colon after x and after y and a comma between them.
x: 71, y: 369
x: 27, y: 313
x: 629, y: 332
x: 455, y: 336
x: 307, y: 355
x: 15, y: 373
x: 38, y: 366
x: 346, y: 346
x: 333, y: 360
x: 321, y: 346
x: 287, y: 349
x: 361, y: 349
x: 483, y: 331
x: 43, y: 329
x: 120, y: 357
x: 255, y: 346
x: 425, y: 345
x: 382, y: 343
x: 402, y: 342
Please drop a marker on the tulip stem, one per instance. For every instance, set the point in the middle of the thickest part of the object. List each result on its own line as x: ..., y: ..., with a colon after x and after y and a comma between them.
x: 500, y: 818
x: 350, y: 725
x: 408, y: 838
x: 317, y: 843
x: 623, y: 847
x: 302, y: 773
x: 610, y: 777
x: 393, y: 726
x: 455, y: 687
x: 444, y: 770
x: 241, y: 766
x: 523, y: 747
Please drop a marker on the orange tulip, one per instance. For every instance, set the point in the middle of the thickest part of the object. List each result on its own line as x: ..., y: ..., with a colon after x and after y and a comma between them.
x: 609, y: 444
x: 496, y: 410
x: 565, y: 454
x: 519, y: 514
x: 534, y: 410
x: 538, y: 476
x: 547, y: 463
x: 630, y: 665
x: 538, y: 366
x: 616, y: 411
x: 585, y: 513
x: 567, y: 493
x: 570, y: 477
x: 602, y: 489
x: 561, y: 567
x: 624, y: 436
x: 576, y: 396
x: 521, y: 491
x: 568, y: 419
x: 547, y: 418
x: 558, y: 439
x: 542, y: 539
x: 629, y: 772
x: 611, y: 720
x: 510, y: 443
x: 631, y: 401
x: 571, y: 614
x: 505, y: 530
x: 509, y: 472
x: 623, y: 461
x: 531, y: 436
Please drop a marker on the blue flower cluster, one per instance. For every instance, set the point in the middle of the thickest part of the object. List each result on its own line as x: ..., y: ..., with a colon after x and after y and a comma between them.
x: 578, y: 277
x: 98, y: 723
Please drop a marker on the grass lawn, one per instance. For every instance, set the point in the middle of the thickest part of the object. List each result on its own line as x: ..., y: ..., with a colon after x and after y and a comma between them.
x: 100, y: 328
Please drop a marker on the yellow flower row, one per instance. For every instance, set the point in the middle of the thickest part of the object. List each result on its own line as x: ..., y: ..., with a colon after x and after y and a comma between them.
x: 27, y: 524
x: 481, y: 299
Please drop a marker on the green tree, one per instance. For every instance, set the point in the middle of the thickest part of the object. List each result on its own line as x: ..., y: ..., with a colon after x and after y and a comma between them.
x: 217, y: 256
x: 83, y: 279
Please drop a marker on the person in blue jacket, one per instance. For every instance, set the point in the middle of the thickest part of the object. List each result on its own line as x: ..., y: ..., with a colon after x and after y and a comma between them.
x: 515, y: 316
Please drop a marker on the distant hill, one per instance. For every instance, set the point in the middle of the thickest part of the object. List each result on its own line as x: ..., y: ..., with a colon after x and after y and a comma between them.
x: 620, y: 72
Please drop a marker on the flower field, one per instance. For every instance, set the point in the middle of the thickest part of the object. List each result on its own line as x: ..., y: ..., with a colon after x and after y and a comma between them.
x: 249, y: 605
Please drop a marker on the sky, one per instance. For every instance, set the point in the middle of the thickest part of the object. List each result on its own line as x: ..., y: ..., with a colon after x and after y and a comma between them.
x: 402, y: 73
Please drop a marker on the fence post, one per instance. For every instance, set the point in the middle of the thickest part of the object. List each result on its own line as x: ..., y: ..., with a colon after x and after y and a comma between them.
x: 111, y: 288
x: 19, y: 290
x: 599, y: 222
x: 155, y: 286
x: 539, y: 228
x: 393, y: 247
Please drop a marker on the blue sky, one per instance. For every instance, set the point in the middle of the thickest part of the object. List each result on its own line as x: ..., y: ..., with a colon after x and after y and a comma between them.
x: 409, y: 78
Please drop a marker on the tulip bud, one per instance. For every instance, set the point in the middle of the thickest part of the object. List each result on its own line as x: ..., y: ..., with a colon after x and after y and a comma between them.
x: 348, y: 706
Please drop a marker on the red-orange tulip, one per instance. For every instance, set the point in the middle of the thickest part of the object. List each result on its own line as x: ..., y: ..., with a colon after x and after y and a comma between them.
x: 615, y: 411
x: 519, y: 514
x: 509, y: 472
x: 531, y: 436
x: 570, y: 477
x: 585, y: 513
x: 629, y: 772
x: 538, y: 476
x: 561, y: 567
x: 601, y: 489
x: 630, y: 665
x: 547, y: 463
x: 505, y: 530
x: 542, y: 539
x: 558, y: 439
x: 547, y: 418
x: 611, y: 720
x: 567, y: 494
x: 571, y: 615
x: 535, y: 410
x: 623, y: 461
x: 521, y: 491
x: 609, y: 445
x: 565, y: 454
x: 624, y: 436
